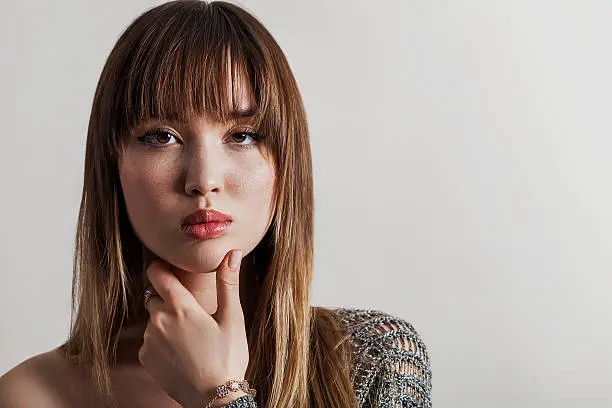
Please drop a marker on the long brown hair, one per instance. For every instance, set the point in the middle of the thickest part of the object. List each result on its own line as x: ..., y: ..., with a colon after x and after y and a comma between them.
x: 172, y: 62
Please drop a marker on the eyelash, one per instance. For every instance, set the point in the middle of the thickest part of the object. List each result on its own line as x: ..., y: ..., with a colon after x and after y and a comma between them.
x: 153, y: 132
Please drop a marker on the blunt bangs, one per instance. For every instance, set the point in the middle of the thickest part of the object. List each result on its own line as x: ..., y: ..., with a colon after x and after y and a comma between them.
x: 202, y: 60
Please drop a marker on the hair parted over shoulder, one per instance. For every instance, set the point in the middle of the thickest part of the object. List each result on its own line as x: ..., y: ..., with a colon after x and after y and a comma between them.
x: 176, y: 60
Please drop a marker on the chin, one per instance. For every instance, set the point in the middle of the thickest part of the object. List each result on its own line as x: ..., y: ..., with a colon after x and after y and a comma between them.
x: 198, y: 256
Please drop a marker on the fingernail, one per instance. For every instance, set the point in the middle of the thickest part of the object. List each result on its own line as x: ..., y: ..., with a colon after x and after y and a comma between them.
x: 235, y: 259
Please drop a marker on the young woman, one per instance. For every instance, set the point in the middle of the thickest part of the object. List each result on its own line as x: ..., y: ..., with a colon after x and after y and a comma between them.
x: 194, y: 248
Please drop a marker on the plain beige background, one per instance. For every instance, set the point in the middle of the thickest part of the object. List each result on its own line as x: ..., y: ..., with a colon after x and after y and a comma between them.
x: 462, y: 158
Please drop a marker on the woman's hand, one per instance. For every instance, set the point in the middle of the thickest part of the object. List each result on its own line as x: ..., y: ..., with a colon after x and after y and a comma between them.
x: 188, y: 351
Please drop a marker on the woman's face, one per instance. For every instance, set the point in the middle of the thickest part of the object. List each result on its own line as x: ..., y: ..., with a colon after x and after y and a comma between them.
x: 168, y: 174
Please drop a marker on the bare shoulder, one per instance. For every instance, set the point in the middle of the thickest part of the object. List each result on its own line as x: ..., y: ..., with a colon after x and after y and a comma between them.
x: 36, y: 382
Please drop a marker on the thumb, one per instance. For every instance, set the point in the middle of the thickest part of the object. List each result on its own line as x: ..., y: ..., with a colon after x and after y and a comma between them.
x: 228, y: 294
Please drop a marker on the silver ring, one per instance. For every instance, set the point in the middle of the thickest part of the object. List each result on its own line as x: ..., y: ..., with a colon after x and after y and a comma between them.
x: 148, y: 294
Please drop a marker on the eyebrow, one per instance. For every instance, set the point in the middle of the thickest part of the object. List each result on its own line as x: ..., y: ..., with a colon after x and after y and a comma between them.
x: 238, y: 116
x: 243, y: 113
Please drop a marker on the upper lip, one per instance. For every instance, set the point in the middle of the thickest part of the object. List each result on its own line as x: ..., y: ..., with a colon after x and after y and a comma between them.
x: 203, y: 216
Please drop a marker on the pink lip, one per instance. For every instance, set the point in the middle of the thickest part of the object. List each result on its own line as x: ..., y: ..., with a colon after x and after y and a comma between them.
x: 201, y: 216
x: 205, y: 230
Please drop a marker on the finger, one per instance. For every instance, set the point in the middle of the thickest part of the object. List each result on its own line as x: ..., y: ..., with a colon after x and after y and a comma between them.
x: 166, y: 284
x: 147, y: 345
x: 229, y: 309
x: 154, y: 302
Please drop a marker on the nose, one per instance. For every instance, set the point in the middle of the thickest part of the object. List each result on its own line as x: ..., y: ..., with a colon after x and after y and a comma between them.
x: 203, y: 173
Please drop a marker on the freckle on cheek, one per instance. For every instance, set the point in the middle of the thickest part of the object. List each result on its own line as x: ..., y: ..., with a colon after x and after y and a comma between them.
x: 257, y: 179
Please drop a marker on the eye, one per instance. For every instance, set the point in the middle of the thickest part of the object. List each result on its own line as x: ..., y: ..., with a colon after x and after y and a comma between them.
x: 244, y: 136
x: 157, y: 137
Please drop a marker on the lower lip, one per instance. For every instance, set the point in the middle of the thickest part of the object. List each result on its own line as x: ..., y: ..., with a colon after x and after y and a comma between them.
x: 207, y: 230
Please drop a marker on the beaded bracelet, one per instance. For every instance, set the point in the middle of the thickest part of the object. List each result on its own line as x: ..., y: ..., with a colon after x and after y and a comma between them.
x: 232, y: 386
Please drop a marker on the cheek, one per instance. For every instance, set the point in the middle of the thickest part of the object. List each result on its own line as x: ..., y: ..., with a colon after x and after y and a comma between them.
x: 253, y: 197
x: 255, y: 184
x: 144, y: 185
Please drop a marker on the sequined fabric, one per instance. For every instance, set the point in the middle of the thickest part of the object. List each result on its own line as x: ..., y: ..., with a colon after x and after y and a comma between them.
x: 390, y: 362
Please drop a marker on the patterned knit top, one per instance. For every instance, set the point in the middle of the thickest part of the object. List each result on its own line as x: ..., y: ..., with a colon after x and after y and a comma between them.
x: 390, y: 361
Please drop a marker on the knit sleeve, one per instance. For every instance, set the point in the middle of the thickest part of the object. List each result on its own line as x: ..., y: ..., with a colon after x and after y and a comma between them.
x: 405, y: 378
x: 392, y: 367
x: 246, y: 401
